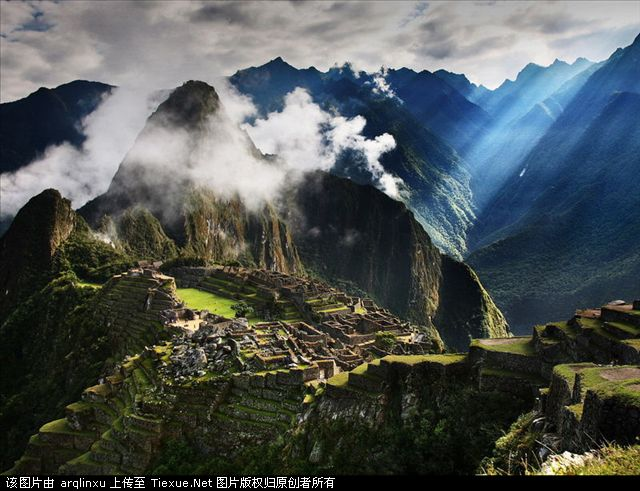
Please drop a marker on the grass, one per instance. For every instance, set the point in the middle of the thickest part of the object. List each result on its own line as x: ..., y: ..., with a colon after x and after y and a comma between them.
x: 360, y: 369
x: 86, y: 284
x: 201, y: 300
x: 523, y: 346
x: 339, y: 380
x: 620, y: 392
x: 591, y: 378
x: 609, y: 461
x: 217, y: 304
x: 61, y: 426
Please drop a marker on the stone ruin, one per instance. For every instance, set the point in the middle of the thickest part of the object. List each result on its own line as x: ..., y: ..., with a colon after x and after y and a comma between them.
x: 334, y: 329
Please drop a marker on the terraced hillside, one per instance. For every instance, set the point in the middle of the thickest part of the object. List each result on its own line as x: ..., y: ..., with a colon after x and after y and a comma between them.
x: 219, y: 292
x: 131, y: 305
x: 394, y: 406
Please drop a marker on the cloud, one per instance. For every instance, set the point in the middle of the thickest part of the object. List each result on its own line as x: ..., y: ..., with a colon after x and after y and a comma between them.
x: 161, y: 44
x: 380, y: 84
x: 82, y: 174
x: 308, y: 138
x: 219, y: 156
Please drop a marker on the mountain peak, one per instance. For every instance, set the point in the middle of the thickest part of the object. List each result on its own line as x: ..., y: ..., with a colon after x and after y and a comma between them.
x: 189, y: 104
x: 277, y: 63
x: 558, y: 62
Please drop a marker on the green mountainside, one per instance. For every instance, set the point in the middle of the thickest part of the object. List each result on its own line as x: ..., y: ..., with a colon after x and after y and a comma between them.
x: 563, y: 232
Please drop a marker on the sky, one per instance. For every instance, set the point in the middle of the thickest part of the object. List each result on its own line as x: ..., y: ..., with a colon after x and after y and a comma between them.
x: 161, y: 44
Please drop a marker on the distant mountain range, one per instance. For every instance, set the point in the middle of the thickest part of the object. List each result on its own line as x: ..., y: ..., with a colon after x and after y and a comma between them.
x: 534, y: 182
x: 46, y: 117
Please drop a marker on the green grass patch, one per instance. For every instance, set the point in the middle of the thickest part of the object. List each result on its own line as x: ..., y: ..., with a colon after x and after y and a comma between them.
x: 339, y: 380
x: 218, y: 304
x: 59, y: 426
x: 609, y: 461
x: 87, y: 284
x: 201, y: 300
x: 520, y: 346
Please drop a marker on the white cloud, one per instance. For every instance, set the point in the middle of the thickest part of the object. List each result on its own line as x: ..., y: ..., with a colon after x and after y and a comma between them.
x: 380, y: 84
x: 82, y: 174
x: 308, y: 138
x: 163, y: 43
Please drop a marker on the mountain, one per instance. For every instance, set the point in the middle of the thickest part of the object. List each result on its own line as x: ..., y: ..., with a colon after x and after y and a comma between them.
x: 503, y: 148
x: 463, y: 85
x: 437, y: 179
x: 439, y: 106
x: 46, y: 117
x: 568, y: 221
x: 533, y: 84
x: 28, y: 248
x: 206, y: 224
x: 351, y: 232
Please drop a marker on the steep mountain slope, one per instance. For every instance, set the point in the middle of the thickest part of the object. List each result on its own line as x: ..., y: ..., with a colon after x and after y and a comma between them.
x: 46, y: 117
x: 56, y: 333
x: 462, y: 84
x: 28, y: 248
x: 534, y: 83
x: 346, y: 231
x: 505, y: 147
x: 437, y: 179
x: 439, y: 106
x: 569, y: 222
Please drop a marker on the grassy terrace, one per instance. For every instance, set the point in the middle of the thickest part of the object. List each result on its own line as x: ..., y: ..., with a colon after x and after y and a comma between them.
x: 339, y: 380
x: 521, y: 346
x: 199, y: 299
x: 220, y: 303
x: 595, y: 377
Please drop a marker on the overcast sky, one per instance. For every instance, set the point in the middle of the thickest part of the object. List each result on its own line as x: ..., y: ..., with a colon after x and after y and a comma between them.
x: 160, y: 44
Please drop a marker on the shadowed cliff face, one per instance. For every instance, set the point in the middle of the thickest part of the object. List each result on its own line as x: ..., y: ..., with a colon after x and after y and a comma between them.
x: 357, y: 233
x: 27, y: 249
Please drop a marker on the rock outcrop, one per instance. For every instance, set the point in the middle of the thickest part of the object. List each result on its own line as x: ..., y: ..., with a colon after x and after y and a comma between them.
x: 28, y: 247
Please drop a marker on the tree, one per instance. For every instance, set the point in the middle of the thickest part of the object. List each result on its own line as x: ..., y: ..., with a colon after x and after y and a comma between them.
x: 242, y: 309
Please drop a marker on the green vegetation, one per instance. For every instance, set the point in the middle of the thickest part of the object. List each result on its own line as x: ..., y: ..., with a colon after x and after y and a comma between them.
x: 41, y: 369
x: 183, y: 261
x: 514, y: 452
x: 85, y: 284
x: 611, y: 460
x: 339, y: 380
x: 386, y: 340
x: 243, y: 309
x: 520, y: 346
x: 435, y: 439
x: 201, y: 300
x: 91, y: 259
x: 181, y: 457
x: 142, y: 235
